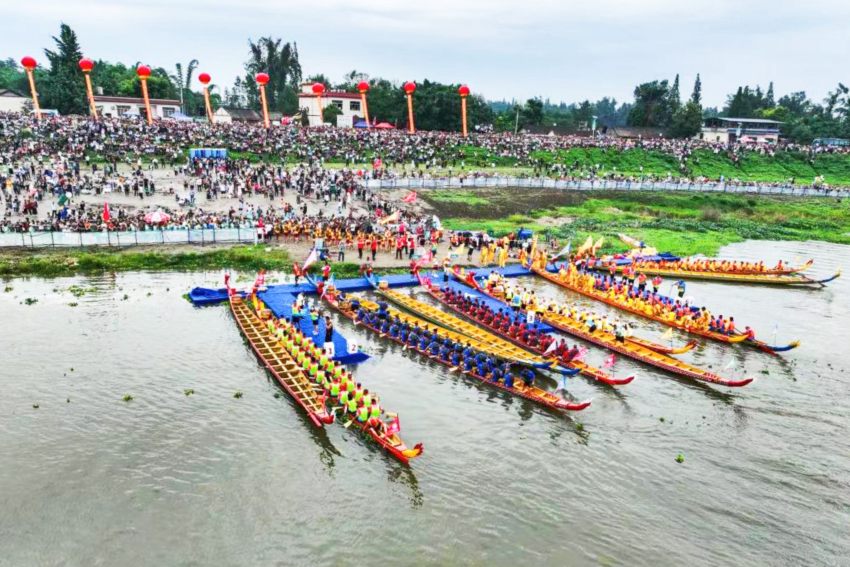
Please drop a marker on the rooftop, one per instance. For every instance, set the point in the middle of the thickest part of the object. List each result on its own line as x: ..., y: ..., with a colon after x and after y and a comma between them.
x: 750, y: 120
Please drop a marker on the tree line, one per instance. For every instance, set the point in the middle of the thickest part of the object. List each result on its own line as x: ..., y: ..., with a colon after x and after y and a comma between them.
x: 657, y: 104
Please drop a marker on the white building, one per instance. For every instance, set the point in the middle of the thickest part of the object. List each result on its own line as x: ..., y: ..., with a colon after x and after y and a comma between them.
x: 13, y: 101
x: 732, y: 130
x: 226, y: 115
x: 348, y: 103
x: 128, y: 106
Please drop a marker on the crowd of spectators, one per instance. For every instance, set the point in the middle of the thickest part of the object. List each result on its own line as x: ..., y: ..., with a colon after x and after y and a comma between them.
x: 48, y: 162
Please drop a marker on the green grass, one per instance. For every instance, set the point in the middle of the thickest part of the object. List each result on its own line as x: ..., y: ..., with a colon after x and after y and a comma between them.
x: 680, y: 223
x: 463, y: 197
x: 53, y: 263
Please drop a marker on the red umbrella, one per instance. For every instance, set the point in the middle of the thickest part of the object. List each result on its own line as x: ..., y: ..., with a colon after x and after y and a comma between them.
x: 157, y: 217
x: 384, y: 126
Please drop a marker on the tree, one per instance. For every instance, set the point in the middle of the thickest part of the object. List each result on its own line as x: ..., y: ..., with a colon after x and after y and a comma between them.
x: 673, y: 97
x: 745, y: 103
x: 183, y: 82
x: 330, y: 114
x: 532, y: 113
x: 768, y: 98
x: 284, y: 70
x: 687, y: 121
x: 652, y: 105
x: 12, y: 76
x: 696, y: 96
x: 63, y: 88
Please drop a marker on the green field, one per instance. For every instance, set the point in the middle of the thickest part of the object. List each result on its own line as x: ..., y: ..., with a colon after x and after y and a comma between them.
x: 679, y: 223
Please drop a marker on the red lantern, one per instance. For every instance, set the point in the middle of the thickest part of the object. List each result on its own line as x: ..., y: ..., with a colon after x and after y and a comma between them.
x: 409, y: 87
x: 318, y: 89
x: 143, y: 71
x: 86, y: 65
x: 363, y: 87
x: 28, y: 63
x: 463, y: 90
x: 204, y: 78
x: 261, y: 78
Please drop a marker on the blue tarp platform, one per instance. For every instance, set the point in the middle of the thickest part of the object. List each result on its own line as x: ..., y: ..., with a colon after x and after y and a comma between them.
x: 202, y: 296
x: 279, y: 299
x: 280, y: 302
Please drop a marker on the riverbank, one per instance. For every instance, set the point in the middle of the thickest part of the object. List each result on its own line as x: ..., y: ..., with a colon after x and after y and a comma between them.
x: 684, y: 224
x: 176, y: 258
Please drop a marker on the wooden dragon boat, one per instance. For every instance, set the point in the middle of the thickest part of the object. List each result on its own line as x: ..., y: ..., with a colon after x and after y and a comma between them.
x: 469, y: 279
x: 790, y: 278
x: 713, y: 335
x: 307, y: 394
x: 531, y: 393
x: 494, y: 335
x: 630, y: 350
x: 503, y: 349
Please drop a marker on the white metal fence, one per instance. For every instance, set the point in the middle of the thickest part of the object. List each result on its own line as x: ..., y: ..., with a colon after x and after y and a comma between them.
x: 127, y: 238
x: 601, y: 184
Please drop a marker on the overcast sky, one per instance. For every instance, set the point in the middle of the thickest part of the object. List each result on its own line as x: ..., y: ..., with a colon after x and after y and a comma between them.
x: 559, y: 49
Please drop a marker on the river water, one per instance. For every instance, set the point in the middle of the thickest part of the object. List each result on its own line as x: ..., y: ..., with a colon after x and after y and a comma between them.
x: 209, y: 479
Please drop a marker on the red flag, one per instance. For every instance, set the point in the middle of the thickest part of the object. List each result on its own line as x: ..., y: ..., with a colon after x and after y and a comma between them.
x: 105, y: 214
x: 410, y: 197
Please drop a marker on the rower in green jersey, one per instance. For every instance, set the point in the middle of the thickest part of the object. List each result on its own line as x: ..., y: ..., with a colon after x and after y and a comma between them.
x: 362, y: 413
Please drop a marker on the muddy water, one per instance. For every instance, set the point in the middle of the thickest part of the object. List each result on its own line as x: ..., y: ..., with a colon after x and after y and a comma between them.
x: 208, y: 479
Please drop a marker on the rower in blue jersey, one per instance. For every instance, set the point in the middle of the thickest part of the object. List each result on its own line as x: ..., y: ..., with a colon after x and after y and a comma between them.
x: 496, y: 374
x: 527, y: 376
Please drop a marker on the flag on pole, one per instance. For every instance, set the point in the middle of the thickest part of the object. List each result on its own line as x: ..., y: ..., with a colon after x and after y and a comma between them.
x: 325, y: 287
x: 582, y: 352
x: 609, y: 361
x: 106, y: 216
x: 410, y: 197
x: 391, y: 218
x: 551, y: 348
x: 668, y: 334
x: 565, y: 251
x: 311, y: 259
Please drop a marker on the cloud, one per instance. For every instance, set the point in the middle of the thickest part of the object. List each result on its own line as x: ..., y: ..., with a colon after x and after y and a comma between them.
x: 563, y: 50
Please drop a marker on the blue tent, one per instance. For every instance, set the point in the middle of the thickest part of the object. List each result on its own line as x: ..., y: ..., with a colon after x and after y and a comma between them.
x: 361, y: 124
x: 217, y: 153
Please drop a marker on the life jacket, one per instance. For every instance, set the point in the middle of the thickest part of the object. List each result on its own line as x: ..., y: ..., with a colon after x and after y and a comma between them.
x: 362, y: 414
